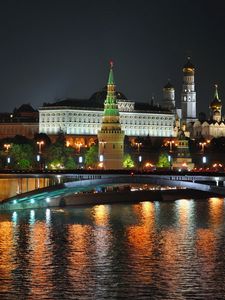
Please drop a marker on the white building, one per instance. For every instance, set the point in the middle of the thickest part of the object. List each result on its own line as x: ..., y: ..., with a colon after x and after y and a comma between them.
x: 84, y: 117
x: 188, y: 95
x: 215, y: 126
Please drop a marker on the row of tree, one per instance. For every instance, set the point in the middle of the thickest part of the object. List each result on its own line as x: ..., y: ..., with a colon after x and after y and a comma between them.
x: 22, y: 153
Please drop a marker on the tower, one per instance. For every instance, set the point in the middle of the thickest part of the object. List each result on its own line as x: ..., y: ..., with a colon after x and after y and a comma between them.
x: 188, y: 95
x: 182, y: 159
x: 111, y: 137
x: 169, y: 96
x: 216, y: 106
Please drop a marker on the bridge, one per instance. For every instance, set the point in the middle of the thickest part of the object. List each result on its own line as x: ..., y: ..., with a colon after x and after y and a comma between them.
x: 68, y: 188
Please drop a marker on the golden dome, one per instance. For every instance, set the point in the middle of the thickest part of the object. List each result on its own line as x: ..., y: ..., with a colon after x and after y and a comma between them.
x: 188, y: 67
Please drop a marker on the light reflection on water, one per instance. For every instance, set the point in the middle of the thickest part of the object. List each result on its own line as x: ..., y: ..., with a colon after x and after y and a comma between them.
x: 150, y: 250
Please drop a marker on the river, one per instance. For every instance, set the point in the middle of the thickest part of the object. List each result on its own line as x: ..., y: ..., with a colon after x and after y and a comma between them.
x: 150, y: 250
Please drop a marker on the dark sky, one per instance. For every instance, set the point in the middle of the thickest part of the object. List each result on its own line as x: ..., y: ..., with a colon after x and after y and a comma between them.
x: 61, y: 48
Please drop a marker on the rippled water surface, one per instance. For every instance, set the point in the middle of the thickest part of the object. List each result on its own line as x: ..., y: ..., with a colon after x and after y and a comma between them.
x: 150, y: 250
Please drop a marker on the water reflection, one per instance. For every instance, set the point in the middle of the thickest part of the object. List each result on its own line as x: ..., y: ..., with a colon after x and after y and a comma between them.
x: 148, y: 250
x: 6, y: 247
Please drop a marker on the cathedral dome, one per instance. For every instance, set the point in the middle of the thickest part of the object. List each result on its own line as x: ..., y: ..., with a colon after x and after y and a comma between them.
x: 216, y: 104
x: 188, y: 67
x: 100, y: 96
x: 168, y: 86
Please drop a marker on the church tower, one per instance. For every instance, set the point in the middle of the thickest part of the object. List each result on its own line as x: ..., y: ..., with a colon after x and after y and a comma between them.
x: 216, y: 106
x: 111, y: 137
x: 188, y: 95
x: 169, y: 96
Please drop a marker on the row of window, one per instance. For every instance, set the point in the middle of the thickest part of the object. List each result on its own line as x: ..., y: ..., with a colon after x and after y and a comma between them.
x: 84, y: 115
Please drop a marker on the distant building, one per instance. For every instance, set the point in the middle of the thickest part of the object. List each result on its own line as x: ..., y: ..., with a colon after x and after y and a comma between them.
x: 213, y: 127
x: 23, y: 121
x: 81, y: 120
x: 182, y: 159
x: 188, y: 94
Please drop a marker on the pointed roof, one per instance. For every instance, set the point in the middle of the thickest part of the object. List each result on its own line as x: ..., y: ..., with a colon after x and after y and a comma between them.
x: 216, y: 103
x: 216, y: 95
x: 111, y: 77
x: 110, y: 104
x: 168, y: 85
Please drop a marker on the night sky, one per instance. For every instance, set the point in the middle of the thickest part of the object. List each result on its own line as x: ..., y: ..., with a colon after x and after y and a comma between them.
x: 61, y: 48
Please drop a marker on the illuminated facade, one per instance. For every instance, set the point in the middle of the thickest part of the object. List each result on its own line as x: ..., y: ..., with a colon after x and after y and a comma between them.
x: 215, y: 126
x: 84, y: 117
x: 87, y: 121
x: 188, y: 95
x: 183, y: 159
x: 169, y: 97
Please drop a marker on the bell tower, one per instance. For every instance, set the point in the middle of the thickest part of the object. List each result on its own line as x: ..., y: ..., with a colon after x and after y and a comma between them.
x: 188, y: 95
x: 169, y: 96
x: 111, y: 137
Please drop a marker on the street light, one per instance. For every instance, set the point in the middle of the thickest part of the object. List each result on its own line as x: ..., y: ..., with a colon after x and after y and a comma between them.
x: 171, y: 143
x: 138, y: 146
x: 204, y: 159
x: 170, y: 160
x: 7, y: 146
x: 78, y: 145
x: 80, y: 161
x: 139, y: 162
x: 202, y: 146
x: 40, y: 143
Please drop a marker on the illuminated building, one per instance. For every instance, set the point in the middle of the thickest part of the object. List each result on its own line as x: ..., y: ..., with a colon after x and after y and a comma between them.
x: 183, y: 158
x: 169, y: 97
x: 215, y: 126
x: 23, y: 121
x: 84, y: 117
x: 188, y: 95
x: 110, y: 136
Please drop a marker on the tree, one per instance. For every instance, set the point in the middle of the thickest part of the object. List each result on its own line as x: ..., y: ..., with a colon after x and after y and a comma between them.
x: 128, y: 161
x: 59, y: 156
x: 91, y: 156
x: 163, y: 161
x: 24, y: 164
x: 20, y: 154
x: 70, y: 163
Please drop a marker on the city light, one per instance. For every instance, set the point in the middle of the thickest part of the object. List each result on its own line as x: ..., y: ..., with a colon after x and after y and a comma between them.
x: 40, y: 144
x: 7, y: 146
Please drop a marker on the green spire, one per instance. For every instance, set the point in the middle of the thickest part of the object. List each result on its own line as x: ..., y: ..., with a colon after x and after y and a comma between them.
x: 216, y: 95
x: 111, y: 77
x: 110, y: 105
